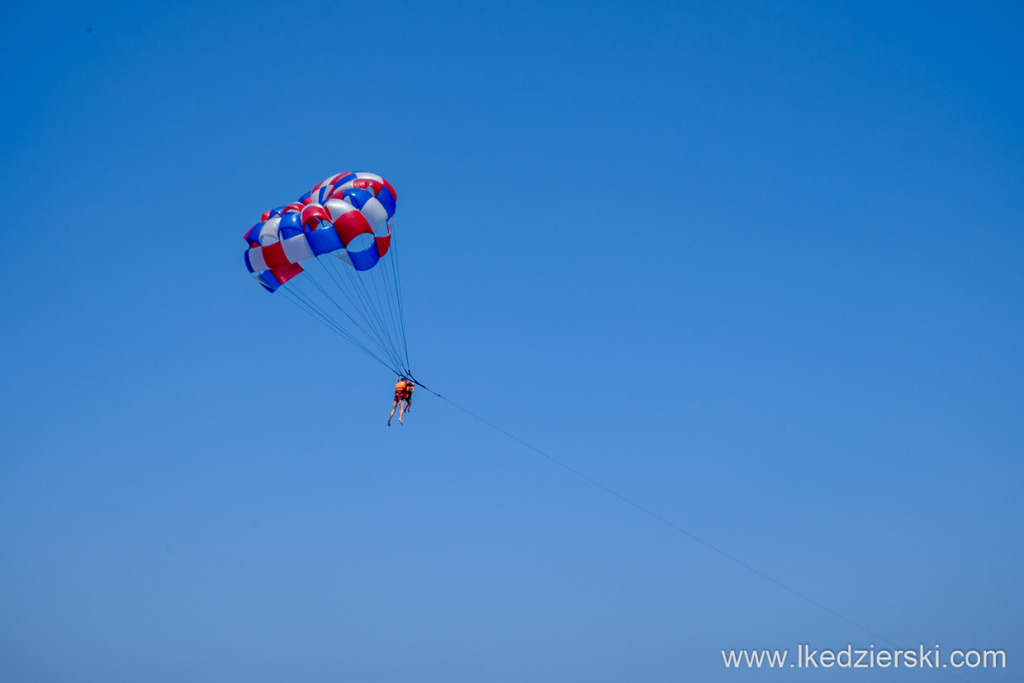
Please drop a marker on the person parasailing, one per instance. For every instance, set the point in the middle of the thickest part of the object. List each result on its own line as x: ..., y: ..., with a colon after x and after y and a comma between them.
x: 403, y: 399
x: 332, y: 254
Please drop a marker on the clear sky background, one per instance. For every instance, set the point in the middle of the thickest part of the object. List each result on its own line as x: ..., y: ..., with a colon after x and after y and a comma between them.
x: 757, y: 267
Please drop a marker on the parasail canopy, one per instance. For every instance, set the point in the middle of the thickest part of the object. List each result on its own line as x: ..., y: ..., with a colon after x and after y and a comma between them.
x: 333, y: 254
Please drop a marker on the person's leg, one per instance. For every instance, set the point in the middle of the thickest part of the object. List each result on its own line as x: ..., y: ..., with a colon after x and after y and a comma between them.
x: 401, y: 411
x: 393, y: 406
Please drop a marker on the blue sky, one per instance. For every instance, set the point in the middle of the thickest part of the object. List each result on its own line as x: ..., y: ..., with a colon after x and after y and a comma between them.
x: 756, y: 268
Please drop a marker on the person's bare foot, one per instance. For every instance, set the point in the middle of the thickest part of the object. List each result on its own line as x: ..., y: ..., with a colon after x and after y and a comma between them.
x: 389, y: 423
